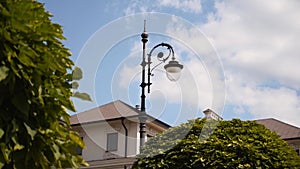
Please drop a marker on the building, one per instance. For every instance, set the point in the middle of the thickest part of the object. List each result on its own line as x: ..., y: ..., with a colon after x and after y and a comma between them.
x: 111, y: 134
x: 210, y: 114
x: 287, y: 132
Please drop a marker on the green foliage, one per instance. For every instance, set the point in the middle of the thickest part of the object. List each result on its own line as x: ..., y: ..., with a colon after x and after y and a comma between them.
x: 77, y: 75
x: 35, y: 90
x: 211, y: 144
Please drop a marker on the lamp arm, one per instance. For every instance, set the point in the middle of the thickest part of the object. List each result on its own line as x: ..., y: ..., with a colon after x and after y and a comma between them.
x: 156, y: 67
x: 169, y: 47
x: 160, y: 57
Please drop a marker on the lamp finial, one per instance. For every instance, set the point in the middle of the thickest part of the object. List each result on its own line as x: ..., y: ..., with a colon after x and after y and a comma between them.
x: 145, y: 25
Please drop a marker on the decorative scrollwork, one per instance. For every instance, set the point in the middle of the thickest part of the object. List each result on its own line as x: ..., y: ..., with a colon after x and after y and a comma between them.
x: 161, y: 56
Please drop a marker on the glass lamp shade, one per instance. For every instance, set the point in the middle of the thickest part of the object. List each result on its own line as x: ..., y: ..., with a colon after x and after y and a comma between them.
x: 173, y: 69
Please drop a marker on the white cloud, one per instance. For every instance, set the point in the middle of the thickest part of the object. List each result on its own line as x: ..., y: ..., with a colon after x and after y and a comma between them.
x: 260, y: 37
x: 193, y: 6
x: 187, y: 6
x: 194, y: 76
x: 127, y: 74
x: 135, y: 7
x: 199, y: 85
x: 263, y: 101
x: 202, y: 54
x: 259, y: 46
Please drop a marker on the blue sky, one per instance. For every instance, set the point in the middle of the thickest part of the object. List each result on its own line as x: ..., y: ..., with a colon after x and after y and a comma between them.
x: 241, y: 58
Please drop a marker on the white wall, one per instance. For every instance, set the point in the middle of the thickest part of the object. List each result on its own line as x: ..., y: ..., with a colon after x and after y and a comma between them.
x: 95, y: 139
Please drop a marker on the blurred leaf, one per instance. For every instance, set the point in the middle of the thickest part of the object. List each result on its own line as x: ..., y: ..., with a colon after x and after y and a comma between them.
x: 1, y: 133
x: 77, y: 73
x: 83, y: 96
x: 75, y: 85
x: 31, y: 132
x: 2, y: 163
x: 3, y: 72
x: 18, y: 147
x: 77, y: 139
x: 36, y: 93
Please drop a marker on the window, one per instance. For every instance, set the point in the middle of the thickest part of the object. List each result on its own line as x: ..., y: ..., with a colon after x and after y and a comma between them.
x: 112, y: 142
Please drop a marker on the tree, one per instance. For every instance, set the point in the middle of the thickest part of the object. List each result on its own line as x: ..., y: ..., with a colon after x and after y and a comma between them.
x: 35, y: 89
x: 232, y: 144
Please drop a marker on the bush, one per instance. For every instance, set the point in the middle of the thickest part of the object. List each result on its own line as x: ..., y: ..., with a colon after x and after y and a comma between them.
x: 232, y: 144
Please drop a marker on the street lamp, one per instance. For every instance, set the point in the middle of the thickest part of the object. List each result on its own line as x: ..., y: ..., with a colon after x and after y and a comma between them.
x: 173, y: 71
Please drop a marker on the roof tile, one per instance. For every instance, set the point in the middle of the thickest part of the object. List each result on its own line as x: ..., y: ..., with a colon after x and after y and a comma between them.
x: 112, y: 110
x: 284, y: 130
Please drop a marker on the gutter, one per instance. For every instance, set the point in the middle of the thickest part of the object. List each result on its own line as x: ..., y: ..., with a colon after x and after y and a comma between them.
x: 126, y: 136
x: 292, y: 138
x: 119, y: 118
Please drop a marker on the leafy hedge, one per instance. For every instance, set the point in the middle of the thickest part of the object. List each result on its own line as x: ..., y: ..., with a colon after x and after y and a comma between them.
x: 210, y: 144
x: 35, y: 90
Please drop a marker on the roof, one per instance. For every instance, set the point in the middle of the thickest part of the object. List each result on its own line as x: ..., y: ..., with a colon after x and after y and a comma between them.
x: 284, y: 130
x: 111, y: 163
x: 112, y: 110
x: 108, y: 112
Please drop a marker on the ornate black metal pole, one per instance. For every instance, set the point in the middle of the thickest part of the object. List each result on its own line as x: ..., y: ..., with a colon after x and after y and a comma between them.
x: 173, y: 69
x: 142, y: 115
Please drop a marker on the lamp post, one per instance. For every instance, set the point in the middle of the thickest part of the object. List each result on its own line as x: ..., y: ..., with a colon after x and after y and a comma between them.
x: 173, y: 69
